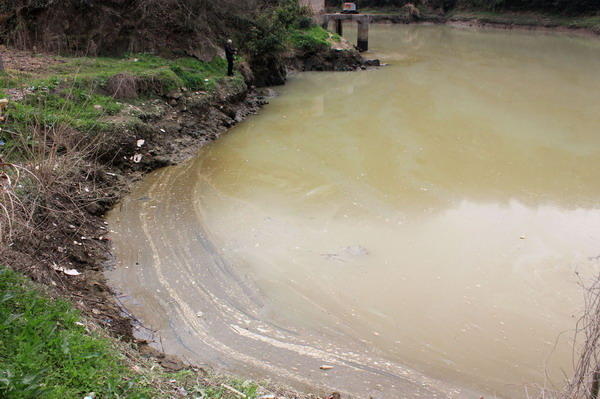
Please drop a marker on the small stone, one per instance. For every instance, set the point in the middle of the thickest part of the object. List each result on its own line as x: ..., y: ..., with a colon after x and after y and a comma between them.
x: 268, y: 92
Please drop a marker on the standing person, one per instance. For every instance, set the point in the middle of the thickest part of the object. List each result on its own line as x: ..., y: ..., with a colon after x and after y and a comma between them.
x: 229, y: 53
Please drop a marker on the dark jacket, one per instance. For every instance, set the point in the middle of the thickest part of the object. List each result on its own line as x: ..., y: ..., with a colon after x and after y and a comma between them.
x: 229, y: 51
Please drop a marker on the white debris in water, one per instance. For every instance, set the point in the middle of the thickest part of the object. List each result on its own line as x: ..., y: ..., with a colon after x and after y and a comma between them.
x: 355, y: 250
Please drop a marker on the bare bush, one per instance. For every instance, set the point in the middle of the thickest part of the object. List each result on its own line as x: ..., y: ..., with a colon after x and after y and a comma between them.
x: 123, y: 86
x: 584, y: 383
x: 585, y: 379
x: 411, y: 11
x: 12, y: 210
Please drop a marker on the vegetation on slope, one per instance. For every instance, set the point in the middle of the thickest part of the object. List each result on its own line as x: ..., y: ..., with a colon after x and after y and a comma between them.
x: 78, y: 92
x: 47, y: 351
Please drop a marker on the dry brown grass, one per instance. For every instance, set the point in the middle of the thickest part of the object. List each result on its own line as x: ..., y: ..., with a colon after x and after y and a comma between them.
x: 123, y: 86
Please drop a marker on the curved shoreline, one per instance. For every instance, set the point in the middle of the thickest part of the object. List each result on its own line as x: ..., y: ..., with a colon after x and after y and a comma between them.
x: 252, y: 337
x: 207, y: 313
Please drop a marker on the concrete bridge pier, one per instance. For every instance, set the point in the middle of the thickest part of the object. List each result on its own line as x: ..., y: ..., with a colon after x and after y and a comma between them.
x: 363, y: 34
x: 362, y: 21
x: 339, y: 27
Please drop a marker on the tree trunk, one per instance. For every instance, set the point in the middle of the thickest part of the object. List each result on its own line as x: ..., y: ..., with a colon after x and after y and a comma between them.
x: 1, y: 64
x: 595, y: 384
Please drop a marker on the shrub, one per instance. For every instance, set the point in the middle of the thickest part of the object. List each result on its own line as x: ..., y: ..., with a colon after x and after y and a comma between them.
x: 313, y: 39
x: 275, y: 27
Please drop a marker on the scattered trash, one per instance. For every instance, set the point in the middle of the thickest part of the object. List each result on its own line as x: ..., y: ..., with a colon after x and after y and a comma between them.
x: 140, y: 142
x: 271, y: 396
x: 181, y: 391
x: 90, y: 395
x: 2, y: 143
x: 235, y: 391
x: 137, y: 158
x: 68, y: 272
x: 326, y: 367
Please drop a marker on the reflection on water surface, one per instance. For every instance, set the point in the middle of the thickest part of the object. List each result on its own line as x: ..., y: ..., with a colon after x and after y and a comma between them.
x: 428, y: 214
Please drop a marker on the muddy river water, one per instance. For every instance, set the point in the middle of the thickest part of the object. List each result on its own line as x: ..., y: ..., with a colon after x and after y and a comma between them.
x: 418, y: 227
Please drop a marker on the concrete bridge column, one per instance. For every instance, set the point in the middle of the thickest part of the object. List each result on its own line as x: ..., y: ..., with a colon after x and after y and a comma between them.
x: 363, y: 34
x: 362, y: 20
x: 338, y: 26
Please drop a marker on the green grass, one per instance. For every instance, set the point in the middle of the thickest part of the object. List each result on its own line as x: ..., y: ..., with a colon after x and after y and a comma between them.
x: 73, y: 91
x: 45, y: 352
x: 313, y: 38
x: 182, y: 72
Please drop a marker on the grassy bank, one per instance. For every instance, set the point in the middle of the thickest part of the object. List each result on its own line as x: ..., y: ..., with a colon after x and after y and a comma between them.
x: 79, y: 92
x: 46, y: 351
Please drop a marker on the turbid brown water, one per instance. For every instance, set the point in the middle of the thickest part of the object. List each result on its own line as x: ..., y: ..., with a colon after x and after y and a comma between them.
x: 418, y: 226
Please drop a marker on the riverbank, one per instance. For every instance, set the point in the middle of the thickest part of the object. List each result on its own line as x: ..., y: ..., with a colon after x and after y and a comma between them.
x: 173, y: 125
x: 581, y: 25
x: 78, y: 132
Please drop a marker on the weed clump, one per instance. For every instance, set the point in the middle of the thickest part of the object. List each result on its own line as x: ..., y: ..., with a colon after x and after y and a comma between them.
x: 46, y: 351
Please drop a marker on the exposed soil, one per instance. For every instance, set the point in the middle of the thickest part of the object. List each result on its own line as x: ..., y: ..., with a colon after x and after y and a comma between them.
x: 27, y: 61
